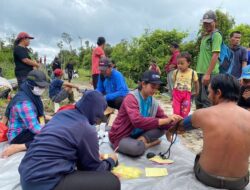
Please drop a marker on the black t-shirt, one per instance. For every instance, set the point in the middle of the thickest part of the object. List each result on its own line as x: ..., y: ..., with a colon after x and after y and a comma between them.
x: 21, y: 69
x: 70, y: 67
x: 56, y: 65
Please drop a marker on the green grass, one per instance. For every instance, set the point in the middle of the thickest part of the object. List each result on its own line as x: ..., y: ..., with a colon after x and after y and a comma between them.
x: 84, y: 76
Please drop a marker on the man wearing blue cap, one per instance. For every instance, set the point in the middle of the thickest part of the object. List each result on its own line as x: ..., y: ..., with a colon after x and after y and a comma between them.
x: 111, y: 84
x: 244, y: 100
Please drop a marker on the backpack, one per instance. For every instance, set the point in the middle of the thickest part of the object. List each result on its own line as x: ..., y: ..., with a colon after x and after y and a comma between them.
x: 226, y: 57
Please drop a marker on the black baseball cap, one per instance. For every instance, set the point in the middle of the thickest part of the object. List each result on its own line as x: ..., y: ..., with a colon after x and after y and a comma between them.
x: 39, y: 78
x: 151, y: 77
x: 209, y: 17
x: 104, y: 63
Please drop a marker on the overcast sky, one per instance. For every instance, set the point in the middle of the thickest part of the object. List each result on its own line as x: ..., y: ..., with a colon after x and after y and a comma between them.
x: 46, y: 20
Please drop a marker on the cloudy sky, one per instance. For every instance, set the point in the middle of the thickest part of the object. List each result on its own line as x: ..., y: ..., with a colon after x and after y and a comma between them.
x: 46, y: 20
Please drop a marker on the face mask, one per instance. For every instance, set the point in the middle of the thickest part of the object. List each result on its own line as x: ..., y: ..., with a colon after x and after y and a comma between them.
x: 38, y: 91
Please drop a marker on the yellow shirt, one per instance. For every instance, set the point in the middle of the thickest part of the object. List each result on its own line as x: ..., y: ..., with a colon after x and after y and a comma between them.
x: 183, y: 80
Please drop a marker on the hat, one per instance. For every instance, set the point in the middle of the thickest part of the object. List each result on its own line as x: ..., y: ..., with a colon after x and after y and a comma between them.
x: 38, y: 77
x: 245, y: 72
x: 209, y: 17
x: 104, y: 63
x: 23, y: 35
x: 58, y: 72
x: 151, y: 77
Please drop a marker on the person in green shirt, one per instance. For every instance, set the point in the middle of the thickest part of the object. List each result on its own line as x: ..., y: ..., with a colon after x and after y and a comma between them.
x: 208, y: 63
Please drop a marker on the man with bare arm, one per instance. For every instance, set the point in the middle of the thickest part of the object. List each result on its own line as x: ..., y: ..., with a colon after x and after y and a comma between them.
x: 223, y: 162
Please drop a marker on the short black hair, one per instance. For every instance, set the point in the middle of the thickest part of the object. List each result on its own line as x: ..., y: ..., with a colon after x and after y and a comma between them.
x: 234, y: 32
x: 140, y: 84
x: 228, y: 85
x: 174, y: 45
x: 100, y: 41
x: 185, y: 55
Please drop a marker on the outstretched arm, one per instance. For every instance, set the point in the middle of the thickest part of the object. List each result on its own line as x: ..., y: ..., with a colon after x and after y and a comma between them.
x: 180, y: 127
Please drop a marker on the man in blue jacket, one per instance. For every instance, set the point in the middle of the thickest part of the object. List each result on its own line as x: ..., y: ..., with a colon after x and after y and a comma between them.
x: 111, y: 84
x: 65, y: 155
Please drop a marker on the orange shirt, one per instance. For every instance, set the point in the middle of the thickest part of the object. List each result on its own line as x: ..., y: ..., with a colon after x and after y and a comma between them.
x: 97, y: 53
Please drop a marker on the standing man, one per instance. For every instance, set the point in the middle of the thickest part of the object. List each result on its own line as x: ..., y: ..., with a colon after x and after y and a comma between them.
x: 22, y: 57
x: 240, y: 54
x: 112, y: 84
x: 208, y: 64
x: 70, y: 69
x: 97, y: 53
x: 171, y: 66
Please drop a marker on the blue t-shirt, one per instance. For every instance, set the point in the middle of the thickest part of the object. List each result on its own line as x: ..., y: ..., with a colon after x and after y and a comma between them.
x: 145, y: 107
x: 55, y: 87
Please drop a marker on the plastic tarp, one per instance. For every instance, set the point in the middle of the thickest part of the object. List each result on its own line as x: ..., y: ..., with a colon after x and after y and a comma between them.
x: 180, y: 173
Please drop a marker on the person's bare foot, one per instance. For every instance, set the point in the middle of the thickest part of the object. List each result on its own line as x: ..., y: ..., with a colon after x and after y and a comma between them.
x: 12, y: 149
x: 154, y: 143
x: 148, y: 145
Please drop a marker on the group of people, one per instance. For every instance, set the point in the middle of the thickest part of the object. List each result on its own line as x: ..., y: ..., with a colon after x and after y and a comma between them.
x: 64, y: 152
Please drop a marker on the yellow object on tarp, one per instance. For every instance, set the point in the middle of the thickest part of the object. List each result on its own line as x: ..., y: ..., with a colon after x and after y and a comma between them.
x: 127, y: 172
x: 159, y: 160
x: 156, y: 172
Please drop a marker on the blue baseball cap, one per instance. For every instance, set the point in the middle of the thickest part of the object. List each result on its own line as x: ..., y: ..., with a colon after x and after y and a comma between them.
x: 245, y: 72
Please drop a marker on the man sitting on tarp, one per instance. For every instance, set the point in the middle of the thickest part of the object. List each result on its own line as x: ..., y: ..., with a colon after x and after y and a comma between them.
x: 223, y: 162
x: 111, y: 84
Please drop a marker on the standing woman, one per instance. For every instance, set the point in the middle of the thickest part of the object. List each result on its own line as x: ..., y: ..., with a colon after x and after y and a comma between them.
x: 23, y: 62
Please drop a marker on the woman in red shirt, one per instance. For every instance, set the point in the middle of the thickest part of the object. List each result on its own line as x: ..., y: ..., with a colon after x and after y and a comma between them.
x: 140, y: 121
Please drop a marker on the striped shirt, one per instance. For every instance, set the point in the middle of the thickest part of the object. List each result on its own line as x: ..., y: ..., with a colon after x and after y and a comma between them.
x: 23, y: 116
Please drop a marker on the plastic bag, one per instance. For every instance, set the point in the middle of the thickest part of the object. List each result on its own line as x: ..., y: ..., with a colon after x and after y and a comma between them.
x: 3, y: 132
x: 127, y: 172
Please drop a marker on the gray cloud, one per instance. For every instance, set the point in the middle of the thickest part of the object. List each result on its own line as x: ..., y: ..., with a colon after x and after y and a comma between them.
x: 114, y: 19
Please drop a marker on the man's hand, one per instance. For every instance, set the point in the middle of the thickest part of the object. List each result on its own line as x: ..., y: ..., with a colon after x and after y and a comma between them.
x: 178, y: 128
x: 78, y: 89
x: 206, y: 79
x: 169, y: 136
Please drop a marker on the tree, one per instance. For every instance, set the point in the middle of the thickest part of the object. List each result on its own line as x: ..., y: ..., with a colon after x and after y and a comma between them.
x: 245, y: 33
x: 60, y: 45
x: 133, y: 57
x: 224, y: 23
x: 67, y: 39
